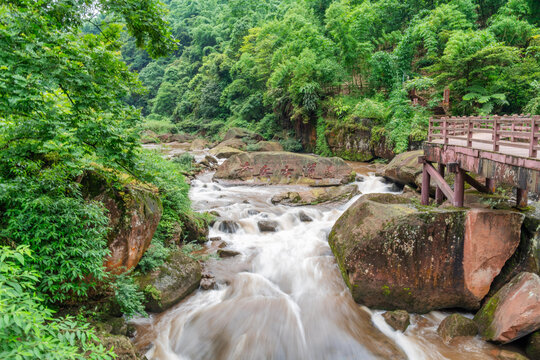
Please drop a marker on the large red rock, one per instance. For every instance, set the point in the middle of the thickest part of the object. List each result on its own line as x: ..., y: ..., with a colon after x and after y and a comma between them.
x: 285, y: 168
x: 513, y: 312
x: 395, y: 255
x: 490, y: 239
x: 134, y: 211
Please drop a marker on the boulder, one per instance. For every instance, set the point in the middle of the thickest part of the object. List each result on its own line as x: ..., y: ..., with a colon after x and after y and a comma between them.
x: 208, y: 283
x: 357, y: 141
x: 224, y: 152
x: 285, y: 168
x: 405, y: 169
x: 527, y: 256
x: 233, y: 143
x: 304, y: 217
x: 134, y: 211
x: 228, y: 226
x: 239, y: 133
x: 513, y: 312
x: 393, y: 255
x: 533, y: 345
x: 181, y: 138
x: 456, y: 325
x: 267, y: 225
x: 227, y: 253
x: 268, y: 146
x: 316, y: 195
x: 199, y: 144
x: 398, y: 319
x: 120, y: 345
x: 178, y: 277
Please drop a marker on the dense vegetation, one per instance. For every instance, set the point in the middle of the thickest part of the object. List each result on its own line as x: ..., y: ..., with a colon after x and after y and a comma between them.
x: 272, y: 65
x: 63, y: 115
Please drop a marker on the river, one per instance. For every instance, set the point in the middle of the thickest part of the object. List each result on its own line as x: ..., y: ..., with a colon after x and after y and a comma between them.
x: 283, y: 296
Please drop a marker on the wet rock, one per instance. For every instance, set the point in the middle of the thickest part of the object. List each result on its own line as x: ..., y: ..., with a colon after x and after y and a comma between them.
x: 239, y: 133
x: 228, y: 226
x: 253, y: 212
x: 199, y: 144
x: 513, y: 312
x: 405, y: 169
x: 267, y: 225
x: 393, y: 255
x: 456, y: 325
x: 533, y: 345
x: 178, y: 277
x: 134, y: 211
x: 211, y: 160
x: 397, y: 319
x: 214, y: 213
x: 285, y: 168
x: 208, y: 283
x: 227, y: 253
x: 304, y: 217
x: 508, y: 355
x: 316, y: 196
x: 224, y: 152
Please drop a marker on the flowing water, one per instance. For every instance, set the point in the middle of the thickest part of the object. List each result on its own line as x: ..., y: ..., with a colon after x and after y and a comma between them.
x: 283, y: 296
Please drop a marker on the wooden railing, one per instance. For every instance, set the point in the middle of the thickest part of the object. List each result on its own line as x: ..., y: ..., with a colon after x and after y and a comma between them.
x: 488, y: 132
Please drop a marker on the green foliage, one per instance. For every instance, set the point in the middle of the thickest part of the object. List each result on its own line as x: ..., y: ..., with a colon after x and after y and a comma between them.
x: 167, y: 176
x: 27, y: 327
x: 128, y: 296
x: 154, y: 257
x: 291, y: 144
x: 322, y: 147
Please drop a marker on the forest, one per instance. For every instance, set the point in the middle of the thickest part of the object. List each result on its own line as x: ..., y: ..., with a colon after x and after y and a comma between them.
x: 81, y: 81
x: 269, y: 66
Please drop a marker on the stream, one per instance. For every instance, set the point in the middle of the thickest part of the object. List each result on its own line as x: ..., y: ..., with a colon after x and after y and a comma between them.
x: 283, y: 297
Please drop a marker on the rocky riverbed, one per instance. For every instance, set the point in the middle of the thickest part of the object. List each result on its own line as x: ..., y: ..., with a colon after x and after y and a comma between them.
x: 286, y: 252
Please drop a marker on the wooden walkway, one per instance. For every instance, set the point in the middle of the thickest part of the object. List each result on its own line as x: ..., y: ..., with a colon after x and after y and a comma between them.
x: 502, y: 149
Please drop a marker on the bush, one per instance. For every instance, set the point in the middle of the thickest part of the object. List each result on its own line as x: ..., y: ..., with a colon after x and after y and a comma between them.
x: 128, y: 296
x: 27, y: 328
x: 66, y: 235
x: 154, y: 257
x: 291, y: 145
x: 159, y: 125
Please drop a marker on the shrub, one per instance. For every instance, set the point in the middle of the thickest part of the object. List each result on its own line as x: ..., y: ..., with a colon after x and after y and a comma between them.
x: 27, y: 328
x: 128, y: 296
x: 292, y: 145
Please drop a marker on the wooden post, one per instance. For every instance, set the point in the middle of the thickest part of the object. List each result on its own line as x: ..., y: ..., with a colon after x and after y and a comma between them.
x: 521, y: 200
x: 426, y: 179
x: 430, y: 130
x: 445, y: 131
x: 439, y: 196
x: 490, y: 184
x: 496, y: 136
x: 533, y: 143
x: 469, y: 132
x: 459, y: 188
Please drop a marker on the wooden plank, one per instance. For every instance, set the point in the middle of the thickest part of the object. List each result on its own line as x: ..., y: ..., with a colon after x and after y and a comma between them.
x: 439, y: 195
x: 439, y: 181
x: 425, y: 184
x: 475, y: 184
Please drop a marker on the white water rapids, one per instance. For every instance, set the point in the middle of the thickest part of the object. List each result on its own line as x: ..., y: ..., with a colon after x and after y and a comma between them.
x: 283, y: 297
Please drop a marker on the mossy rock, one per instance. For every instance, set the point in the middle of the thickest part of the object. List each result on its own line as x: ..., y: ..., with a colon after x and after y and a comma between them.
x: 533, y: 345
x: 456, y: 325
x: 178, y: 277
